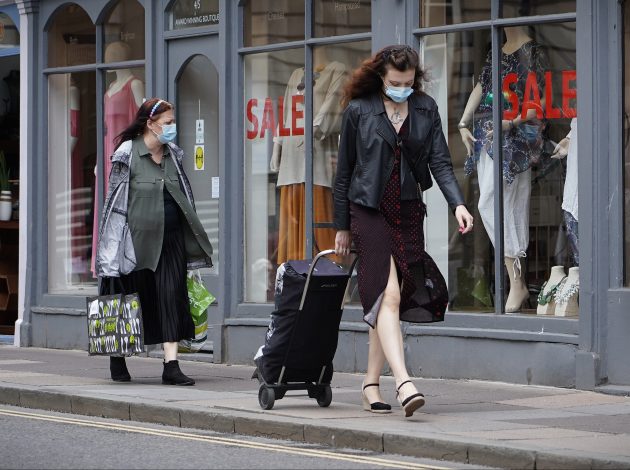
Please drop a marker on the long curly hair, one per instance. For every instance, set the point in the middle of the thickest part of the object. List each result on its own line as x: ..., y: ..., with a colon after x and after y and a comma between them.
x: 368, y: 78
x: 145, y: 112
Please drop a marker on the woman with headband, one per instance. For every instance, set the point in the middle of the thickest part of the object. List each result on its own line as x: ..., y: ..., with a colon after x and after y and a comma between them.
x: 150, y: 234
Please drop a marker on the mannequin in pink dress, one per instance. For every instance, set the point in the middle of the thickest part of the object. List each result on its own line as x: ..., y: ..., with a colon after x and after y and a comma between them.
x: 121, y: 102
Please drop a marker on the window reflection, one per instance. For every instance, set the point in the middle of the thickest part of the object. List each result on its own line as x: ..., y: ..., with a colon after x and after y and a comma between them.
x: 516, y: 8
x: 125, y: 25
x: 71, y: 38
x: 72, y: 157
x: 337, y: 17
x: 272, y: 21
x: 440, y: 13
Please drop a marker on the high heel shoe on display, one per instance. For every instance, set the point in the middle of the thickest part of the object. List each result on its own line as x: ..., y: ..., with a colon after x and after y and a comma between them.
x: 410, y: 403
x: 377, y: 406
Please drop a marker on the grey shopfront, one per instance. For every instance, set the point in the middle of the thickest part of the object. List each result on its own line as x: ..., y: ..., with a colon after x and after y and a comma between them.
x: 262, y: 181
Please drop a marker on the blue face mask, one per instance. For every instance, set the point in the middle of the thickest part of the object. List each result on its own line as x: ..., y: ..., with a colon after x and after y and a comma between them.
x: 530, y: 132
x: 169, y: 132
x: 398, y: 94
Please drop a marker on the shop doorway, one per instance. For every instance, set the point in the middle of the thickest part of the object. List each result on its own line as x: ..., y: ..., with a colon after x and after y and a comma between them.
x: 9, y: 170
x: 193, y: 86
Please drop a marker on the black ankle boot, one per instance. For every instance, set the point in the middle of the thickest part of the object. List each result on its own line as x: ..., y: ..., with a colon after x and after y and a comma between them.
x: 173, y: 375
x: 118, y: 369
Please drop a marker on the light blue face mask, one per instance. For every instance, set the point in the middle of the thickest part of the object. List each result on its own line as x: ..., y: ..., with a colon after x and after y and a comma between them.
x: 530, y: 132
x: 169, y: 132
x: 399, y: 94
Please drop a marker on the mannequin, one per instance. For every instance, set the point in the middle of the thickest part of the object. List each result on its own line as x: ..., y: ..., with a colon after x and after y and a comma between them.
x: 546, y: 298
x: 522, y: 145
x: 567, y: 147
x: 288, y: 158
x: 121, y: 102
x: 567, y: 295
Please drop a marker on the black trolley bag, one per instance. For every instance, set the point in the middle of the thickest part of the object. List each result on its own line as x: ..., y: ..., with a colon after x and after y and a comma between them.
x: 301, y: 341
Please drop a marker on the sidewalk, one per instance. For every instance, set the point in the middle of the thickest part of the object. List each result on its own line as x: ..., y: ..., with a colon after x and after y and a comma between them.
x: 483, y: 423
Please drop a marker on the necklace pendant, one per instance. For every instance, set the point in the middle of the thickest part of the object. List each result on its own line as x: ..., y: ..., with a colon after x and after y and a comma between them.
x: 395, y: 118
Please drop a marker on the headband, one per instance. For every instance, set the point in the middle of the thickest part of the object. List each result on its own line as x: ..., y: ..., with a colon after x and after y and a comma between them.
x: 155, y: 106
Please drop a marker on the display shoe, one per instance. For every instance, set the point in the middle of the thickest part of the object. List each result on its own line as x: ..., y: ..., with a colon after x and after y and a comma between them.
x: 410, y: 403
x: 518, y: 289
x: 118, y: 369
x: 375, y: 407
x: 173, y: 375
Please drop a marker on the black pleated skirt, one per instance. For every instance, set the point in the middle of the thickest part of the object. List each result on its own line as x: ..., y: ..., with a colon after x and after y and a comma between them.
x: 163, y: 293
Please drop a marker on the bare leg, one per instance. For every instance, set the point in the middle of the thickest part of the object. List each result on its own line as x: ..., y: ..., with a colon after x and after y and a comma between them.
x: 170, y: 351
x: 376, y: 360
x: 388, y: 330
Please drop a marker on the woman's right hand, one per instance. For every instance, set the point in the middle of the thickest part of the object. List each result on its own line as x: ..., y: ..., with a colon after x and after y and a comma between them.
x: 468, y: 140
x: 343, y: 240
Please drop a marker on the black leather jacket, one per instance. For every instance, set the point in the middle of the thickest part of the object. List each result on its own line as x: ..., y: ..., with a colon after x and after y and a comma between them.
x: 366, y: 155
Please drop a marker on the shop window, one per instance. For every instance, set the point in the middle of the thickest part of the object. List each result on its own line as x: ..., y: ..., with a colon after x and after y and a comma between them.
x: 273, y: 21
x: 440, y: 12
x: 71, y: 38
x: 198, y: 134
x: 9, y: 35
x: 626, y: 138
x: 71, y: 161
x: 124, y: 25
x: 190, y: 13
x: 267, y: 97
x: 517, y: 8
x: 539, y: 146
x: 337, y: 17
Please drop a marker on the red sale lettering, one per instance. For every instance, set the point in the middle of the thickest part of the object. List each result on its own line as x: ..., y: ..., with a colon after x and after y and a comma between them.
x: 510, y: 96
x: 531, y: 97
x: 282, y: 131
x: 568, y: 93
x: 551, y: 112
x: 268, y: 120
x: 297, y: 114
x: 251, y: 117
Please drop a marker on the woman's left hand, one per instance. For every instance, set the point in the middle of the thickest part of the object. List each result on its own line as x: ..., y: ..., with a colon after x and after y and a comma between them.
x: 464, y: 219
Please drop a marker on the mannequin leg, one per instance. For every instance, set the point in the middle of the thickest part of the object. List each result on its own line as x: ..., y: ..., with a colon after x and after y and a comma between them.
x: 390, y: 336
x: 376, y: 360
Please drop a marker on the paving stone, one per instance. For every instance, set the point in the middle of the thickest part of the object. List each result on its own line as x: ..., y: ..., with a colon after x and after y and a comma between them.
x: 268, y: 428
x: 340, y: 437
x: 104, y: 408
x: 154, y: 414
x: 206, y: 420
x: 46, y: 400
x: 425, y: 447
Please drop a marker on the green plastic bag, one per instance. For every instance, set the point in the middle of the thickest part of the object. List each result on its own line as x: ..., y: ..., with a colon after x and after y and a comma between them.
x: 200, y: 299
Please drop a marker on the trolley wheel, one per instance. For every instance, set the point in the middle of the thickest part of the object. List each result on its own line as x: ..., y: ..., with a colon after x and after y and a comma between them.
x: 266, y: 397
x: 325, y: 397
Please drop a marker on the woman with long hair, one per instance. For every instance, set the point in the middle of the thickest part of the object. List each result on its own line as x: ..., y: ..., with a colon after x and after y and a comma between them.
x: 391, y: 143
x: 150, y: 234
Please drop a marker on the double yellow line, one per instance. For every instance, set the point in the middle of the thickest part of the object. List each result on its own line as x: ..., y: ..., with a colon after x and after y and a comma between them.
x: 223, y: 441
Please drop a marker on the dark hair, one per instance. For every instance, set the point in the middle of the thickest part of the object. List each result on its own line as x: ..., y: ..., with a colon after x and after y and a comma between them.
x: 368, y: 78
x: 148, y: 110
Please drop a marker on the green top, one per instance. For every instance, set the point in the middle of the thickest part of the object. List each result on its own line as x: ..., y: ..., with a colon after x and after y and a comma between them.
x: 145, y: 215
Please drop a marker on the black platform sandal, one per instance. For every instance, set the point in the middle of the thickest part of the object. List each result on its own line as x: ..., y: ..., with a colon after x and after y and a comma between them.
x: 411, y: 403
x: 377, y: 406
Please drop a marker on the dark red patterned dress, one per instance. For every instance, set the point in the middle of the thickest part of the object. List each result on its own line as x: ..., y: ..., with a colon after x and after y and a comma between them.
x: 395, y: 230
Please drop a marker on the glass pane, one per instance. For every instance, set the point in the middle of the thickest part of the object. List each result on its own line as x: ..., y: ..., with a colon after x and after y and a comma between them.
x: 124, y: 93
x: 440, y: 13
x: 516, y: 8
x: 333, y: 66
x: 9, y: 35
x: 71, y: 38
x: 191, y: 13
x: 124, y: 32
x: 337, y: 17
x: 71, y: 161
x: 273, y: 21
x: 271, y: 91
x: 626, y: 136
x: 455, y: 64
x: 198, y: 135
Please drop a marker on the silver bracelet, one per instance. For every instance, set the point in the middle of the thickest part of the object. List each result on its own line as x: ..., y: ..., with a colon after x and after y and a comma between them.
x: 462, y: 125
